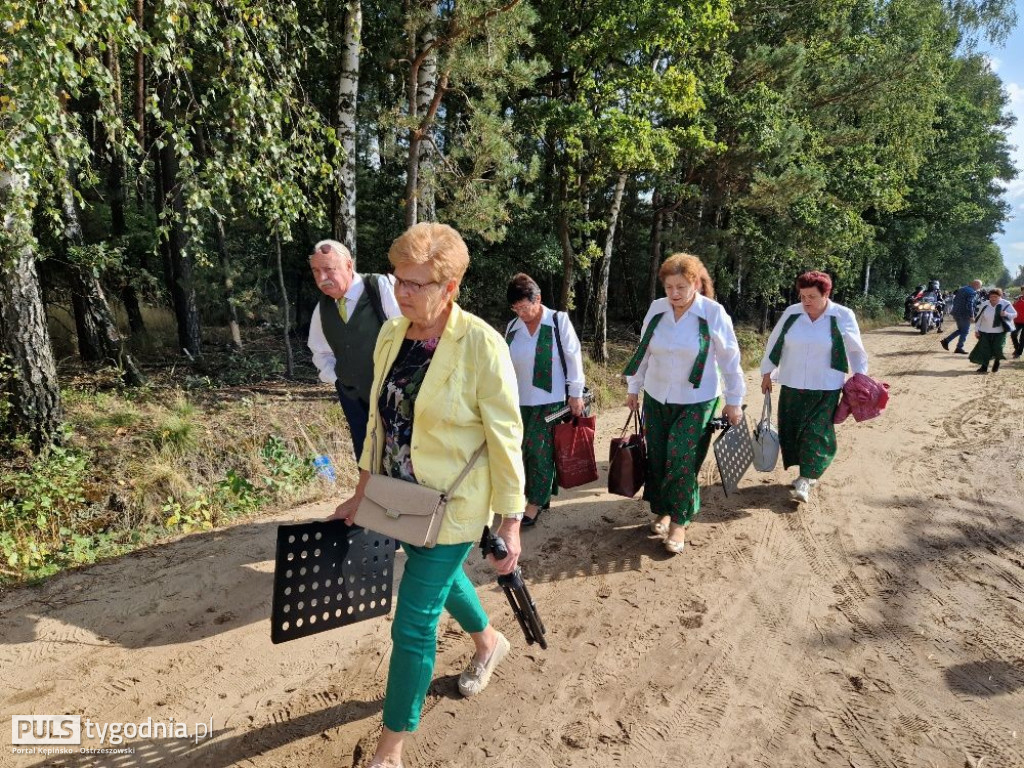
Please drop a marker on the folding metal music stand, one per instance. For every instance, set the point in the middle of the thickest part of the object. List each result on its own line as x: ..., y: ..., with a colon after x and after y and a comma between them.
x: 734, y: 453
x: 327, y: 575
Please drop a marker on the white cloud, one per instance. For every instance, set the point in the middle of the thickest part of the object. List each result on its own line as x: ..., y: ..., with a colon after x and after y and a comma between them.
x: 993, y: 62
x: 1016, y: 94
x: 1016, y: 246
x: 1014, y: 190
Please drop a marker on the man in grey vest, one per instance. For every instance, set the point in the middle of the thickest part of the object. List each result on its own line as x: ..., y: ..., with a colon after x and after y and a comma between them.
x: 344, y: 327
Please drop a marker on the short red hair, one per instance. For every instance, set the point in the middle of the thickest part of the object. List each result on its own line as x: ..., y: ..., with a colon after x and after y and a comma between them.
x: 815, y: 279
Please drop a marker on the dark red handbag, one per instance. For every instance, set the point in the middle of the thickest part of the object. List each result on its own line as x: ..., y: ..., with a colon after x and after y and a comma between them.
x: 627, y: 460
x: 574, y: 451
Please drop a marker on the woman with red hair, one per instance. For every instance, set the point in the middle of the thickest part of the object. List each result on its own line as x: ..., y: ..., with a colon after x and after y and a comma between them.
x: 812, y: 348
x: 687, y: 349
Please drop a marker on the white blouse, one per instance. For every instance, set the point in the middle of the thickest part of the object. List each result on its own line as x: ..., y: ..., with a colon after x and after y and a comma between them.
x: 665, y: 369
x: 806, y: 361
x: 987, y: 318
x: 524, y: 351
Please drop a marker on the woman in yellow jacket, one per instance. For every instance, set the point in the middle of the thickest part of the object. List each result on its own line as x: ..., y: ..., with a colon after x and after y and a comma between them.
x: 443, y: 385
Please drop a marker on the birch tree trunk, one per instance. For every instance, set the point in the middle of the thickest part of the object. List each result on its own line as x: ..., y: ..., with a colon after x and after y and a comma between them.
x: 29, y: 394
x: 601, y: 313
x: 345, y: 122
x: 289, y: 360
x: 426, y: 88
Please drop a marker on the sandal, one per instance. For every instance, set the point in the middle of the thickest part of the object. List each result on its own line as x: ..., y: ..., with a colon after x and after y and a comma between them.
x: 659, y: 528
x: 675, y: 547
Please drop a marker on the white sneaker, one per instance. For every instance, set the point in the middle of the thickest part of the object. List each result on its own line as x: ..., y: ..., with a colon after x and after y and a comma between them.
x: 801, y: 489
x: 477, y: 675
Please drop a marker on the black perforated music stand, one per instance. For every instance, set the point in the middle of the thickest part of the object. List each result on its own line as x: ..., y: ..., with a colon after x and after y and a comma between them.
x: 734, y: 453
x: 327, y: 575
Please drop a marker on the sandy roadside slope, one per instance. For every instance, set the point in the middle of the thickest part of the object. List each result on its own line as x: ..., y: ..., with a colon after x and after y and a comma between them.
x: 880, y: 625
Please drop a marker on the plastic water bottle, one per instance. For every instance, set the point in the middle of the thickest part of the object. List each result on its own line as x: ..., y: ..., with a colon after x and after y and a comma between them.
x: 324, y: 468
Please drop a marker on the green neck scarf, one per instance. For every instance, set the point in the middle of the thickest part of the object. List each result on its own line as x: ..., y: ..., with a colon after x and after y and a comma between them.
x: 839, y: 361
x: 699, y: 364
x: 542, y: 357
x: 634, y: 362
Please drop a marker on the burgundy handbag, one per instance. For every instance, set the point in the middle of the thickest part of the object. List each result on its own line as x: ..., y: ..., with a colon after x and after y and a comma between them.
x: 574, y: 452
x: 627, y: 460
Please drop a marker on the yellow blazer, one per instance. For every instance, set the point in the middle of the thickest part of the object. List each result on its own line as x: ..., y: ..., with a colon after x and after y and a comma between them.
x: 469, y: 395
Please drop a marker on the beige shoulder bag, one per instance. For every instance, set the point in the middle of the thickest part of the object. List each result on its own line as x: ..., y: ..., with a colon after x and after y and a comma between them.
x: 408, y: 512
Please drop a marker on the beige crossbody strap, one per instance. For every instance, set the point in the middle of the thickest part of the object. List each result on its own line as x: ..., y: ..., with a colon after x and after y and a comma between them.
x: 469, y: 466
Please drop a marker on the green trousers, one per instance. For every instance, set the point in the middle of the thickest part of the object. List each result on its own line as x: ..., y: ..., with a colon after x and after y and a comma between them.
x: 677, y: 442
x: 539, y: 452
x: 807, y: 435
x: 433, y: 581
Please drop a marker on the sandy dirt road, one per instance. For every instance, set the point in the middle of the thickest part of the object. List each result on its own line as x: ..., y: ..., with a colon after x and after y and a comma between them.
x: 882, y: 624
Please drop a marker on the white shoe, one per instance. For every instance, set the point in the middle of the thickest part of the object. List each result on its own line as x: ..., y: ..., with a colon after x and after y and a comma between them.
x: 477, y: 675
x: 801, y: 489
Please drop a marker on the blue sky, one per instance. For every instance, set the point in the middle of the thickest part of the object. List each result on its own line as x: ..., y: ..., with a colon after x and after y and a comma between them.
x: 1008, y: 62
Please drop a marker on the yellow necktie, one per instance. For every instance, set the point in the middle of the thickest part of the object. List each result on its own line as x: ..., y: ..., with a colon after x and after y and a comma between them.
x: 342, y: 309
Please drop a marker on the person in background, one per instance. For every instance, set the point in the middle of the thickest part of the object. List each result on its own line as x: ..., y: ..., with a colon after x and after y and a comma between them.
x: 538, y: 340
x: 908, y: 303
x: 443, y: 385
x: 1018, y: 326
x: 686, y: 340
x: 344, y: 327
x: 993, y: 321
x: 811, y: 350
x: 963, y: 310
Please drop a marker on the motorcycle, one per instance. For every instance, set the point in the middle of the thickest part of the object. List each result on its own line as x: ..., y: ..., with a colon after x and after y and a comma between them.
x: 927, y: 315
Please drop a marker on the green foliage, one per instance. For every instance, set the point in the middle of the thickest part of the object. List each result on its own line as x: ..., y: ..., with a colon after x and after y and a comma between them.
x: 286, y: 470
x: 885, y: 302
x: 38, y: 504
x: 193, y: 514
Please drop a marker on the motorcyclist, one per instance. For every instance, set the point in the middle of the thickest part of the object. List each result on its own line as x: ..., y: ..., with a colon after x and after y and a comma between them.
x: 933, y: 293
x: 908, y: 305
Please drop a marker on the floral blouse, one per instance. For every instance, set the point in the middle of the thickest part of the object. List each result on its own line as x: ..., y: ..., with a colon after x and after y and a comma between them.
x: 397, y: 398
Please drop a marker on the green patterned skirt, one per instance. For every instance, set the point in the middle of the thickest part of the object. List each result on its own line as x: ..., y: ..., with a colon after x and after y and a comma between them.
x: 539, y: 452
x: 806, y: 432
x: 989, y: 347
x: 677, y: 442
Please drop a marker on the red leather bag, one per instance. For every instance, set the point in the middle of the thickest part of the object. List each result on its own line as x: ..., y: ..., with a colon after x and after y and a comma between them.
x: 574, y: 451
x: 627, y: 460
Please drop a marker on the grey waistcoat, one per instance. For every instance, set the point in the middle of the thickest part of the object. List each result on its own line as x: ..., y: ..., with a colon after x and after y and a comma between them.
x: 352, y: 342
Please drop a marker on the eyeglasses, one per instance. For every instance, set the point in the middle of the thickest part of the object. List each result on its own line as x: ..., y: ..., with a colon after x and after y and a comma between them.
x: 411, y: 285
